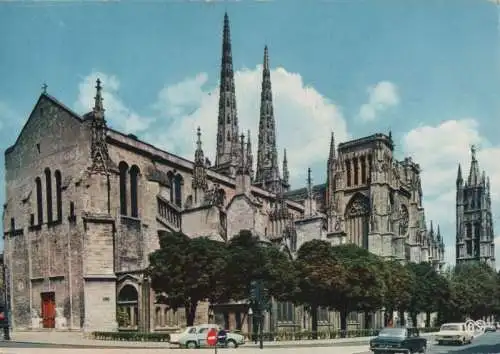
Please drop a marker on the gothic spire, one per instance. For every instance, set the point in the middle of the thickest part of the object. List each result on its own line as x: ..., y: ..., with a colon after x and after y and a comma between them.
x: 267, y: 157
x: 331, y: 156
x: 199, y: 173
x: 99, y: 147
x: 309, y: 183
x: 474, y: 174
x: 460, y: 180
x: 249, y: 155
x: 98, y: 106
x: 286, y: 173
x: 199, y: 158
x: 228, y: 151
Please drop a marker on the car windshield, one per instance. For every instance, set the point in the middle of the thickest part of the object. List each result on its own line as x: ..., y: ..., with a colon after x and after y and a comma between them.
x: 451, y: 327
x: 392, y: 332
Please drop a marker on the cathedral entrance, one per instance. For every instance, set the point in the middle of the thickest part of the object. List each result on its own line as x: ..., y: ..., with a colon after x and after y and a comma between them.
x: 357, y: 220
x: 48, y: 309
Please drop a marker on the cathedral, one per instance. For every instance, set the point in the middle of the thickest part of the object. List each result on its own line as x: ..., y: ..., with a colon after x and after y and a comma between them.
x: 475, y: 233
x: 85, y: 204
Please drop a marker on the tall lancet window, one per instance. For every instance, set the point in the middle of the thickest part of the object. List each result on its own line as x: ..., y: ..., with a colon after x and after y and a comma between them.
x: 134, y: 186
x: 57, y: 175
x: 39, y: 200
x: 123, y: 167
x: 48, y: 186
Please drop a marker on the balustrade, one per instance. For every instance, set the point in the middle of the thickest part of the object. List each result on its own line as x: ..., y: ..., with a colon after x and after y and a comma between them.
x: 169, y: 213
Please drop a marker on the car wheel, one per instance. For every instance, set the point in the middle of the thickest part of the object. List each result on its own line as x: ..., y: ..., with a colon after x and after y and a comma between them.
x: 231, y: 344
x: 191, y: 345
x: 463, y: 342
x: 423, y: 349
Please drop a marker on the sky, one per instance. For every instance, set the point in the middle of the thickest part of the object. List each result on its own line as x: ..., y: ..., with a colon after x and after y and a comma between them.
x: 428, y: 71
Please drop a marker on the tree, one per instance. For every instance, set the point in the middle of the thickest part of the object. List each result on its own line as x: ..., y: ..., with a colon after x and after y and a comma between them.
x: 430, y: 289
x: 365, y: 287
x: 399, y: 283
x: 280, y: 276
x: 474, y: 287
x: 321, y: 278
x: 184, y: 272
x: 246, y: 262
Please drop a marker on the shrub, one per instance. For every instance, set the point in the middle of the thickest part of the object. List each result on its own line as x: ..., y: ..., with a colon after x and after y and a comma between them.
x: 131, y: 336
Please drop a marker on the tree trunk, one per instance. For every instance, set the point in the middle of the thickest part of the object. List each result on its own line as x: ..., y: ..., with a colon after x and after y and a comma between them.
x: 402, y: 321
x: 427, y: 319
x: 190, y: 312
x: 343, y: 323
x: 388, y: 317
x: 314, y: 321
x: 368, y: 319
x: 413, y: 316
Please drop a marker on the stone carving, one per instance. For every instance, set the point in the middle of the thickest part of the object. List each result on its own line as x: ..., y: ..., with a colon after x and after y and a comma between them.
x: 404, y: 220
x: 358, y: 207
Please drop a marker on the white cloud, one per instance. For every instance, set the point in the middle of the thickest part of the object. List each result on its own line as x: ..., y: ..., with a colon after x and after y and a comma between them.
x: 119, y: 116
x: 303, y: 116
x: 381, y: 97
x: 439, y: 149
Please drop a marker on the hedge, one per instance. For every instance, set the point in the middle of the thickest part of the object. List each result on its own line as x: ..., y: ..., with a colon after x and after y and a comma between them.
x: 267, y: 336
x: 132, y: 336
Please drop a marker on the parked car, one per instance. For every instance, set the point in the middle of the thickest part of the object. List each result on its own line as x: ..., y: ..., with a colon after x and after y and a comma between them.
x: 398, y: 340
x: 196, y: 337
x: 490, y: 327
x: 454, y: 333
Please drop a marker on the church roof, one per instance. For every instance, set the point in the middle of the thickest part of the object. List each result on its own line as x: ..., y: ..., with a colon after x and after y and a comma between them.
x: 301, y: 193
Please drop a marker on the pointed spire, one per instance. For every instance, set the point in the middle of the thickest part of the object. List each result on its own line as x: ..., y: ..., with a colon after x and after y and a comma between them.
x: 309, y: 183
x: 199, y: 158
x: 474, y: 174
x: 460, y: 180
x: 199, y: 182
x: 228, y: 151
x: 286, y: 173
x: 44, y: 88
x: 98, y: 105
x: 432, y: 230
x: 267, y: 174
x: 438, y: 235
x: 99, y: 148
x: 249, y: 155
x: 331, y: 155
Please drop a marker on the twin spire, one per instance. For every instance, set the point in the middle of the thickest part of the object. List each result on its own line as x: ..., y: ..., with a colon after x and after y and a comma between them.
x: 231, y: 155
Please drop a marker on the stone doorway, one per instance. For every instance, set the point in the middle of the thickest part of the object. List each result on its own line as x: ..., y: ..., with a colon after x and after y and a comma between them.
x: 48, y: 309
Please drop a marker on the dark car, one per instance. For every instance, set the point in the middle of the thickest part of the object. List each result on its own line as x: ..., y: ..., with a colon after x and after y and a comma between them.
x: 398, y: 340
x: 4, y: 322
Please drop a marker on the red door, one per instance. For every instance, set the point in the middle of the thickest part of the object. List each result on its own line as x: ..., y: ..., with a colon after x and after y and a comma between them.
x: 49, y: 310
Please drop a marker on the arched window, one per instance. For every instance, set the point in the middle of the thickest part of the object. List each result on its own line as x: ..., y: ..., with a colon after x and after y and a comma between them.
x: 178, y: 182
x: 128, y: 301
x: 358, y: 220
x: 134, y: 175
x: 48, y: 187
x: 170, y: 176
x: 39, y: 200
x: 348, y: 173
x: 57, y: 174
x: 123, y: 167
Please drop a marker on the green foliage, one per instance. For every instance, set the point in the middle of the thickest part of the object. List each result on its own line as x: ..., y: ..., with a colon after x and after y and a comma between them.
x: 132, y: 336
x: 346, y: 278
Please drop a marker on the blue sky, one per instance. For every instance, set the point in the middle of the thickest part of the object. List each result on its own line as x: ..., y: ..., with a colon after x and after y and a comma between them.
x: 427, y: 70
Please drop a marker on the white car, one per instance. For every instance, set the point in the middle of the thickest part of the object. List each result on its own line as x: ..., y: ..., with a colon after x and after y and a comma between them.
x: 454, y: 333
x: 196, y: 337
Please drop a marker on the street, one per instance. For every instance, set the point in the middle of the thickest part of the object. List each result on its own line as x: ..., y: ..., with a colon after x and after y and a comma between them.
x: 487, y: 343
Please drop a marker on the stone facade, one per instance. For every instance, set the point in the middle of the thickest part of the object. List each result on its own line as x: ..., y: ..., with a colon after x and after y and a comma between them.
x: 475, y: 232
x: 85, y: 205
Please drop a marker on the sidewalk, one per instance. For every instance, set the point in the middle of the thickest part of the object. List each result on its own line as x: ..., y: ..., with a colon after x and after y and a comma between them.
x: 81, y: 339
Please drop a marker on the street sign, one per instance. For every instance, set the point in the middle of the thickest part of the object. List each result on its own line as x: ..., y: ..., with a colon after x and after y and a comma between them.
x: 212, y: 337
x: 222, y: 336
